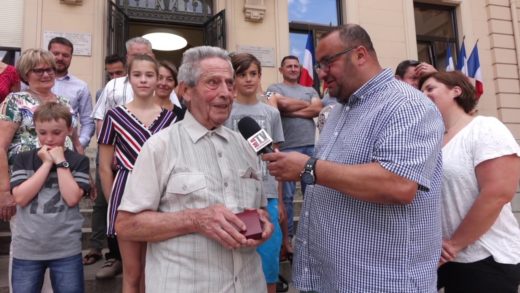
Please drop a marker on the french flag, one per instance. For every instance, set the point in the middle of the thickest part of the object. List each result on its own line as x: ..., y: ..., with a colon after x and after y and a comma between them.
x: 307, y: 72
x: 462, y: 64
x: 475, y: 72
x: 450, y: 65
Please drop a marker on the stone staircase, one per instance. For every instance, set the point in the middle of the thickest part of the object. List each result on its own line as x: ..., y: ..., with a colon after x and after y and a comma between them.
x: 86, y: 211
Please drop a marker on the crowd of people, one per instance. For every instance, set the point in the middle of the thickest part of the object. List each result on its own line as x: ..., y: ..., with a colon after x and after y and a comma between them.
x: 405, y: 190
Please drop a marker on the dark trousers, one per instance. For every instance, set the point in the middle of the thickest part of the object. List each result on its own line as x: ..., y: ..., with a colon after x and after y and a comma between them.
x: 99, y: 218
x: 113, y: 248
x: 99, y: 223
x: 482, y: 276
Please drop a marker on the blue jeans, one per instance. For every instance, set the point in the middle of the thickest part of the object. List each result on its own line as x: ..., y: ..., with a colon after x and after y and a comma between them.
x: 289, y: 187
x: 270, y: 250
x: 66, y: 275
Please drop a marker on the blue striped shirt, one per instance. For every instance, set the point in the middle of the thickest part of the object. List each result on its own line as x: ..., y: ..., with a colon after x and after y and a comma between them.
x: 348, y: 245
x: 76, y: 90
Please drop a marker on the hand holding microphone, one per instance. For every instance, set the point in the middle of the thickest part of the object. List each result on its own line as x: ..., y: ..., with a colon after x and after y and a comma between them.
x: 284, y: 166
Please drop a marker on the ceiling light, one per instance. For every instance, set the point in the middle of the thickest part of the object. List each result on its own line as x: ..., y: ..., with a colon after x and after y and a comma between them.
x: 166, y: 41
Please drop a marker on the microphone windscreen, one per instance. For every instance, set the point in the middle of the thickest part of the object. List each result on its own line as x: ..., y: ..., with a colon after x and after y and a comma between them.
x: 248, y: 127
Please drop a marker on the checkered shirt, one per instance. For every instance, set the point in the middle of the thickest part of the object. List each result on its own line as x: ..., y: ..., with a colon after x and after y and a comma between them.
x: 348, y: 245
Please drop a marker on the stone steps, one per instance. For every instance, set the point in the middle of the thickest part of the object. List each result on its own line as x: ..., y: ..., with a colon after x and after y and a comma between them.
x: 86, y: 210
x: 92, y: 285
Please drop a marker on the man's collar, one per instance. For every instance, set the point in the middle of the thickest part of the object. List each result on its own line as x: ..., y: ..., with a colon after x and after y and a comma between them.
x: 196, y: 131
x: 65, y: 77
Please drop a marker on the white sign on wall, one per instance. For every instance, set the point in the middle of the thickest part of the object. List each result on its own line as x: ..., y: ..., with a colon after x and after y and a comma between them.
x: 82, y: 41
x: 264, y: 54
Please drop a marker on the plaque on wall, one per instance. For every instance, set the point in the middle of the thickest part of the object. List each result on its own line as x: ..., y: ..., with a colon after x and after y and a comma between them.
x: 82, y: 41
x: 264, y: 54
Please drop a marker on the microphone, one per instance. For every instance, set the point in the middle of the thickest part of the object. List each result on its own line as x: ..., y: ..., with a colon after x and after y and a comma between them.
x: 257, y: 137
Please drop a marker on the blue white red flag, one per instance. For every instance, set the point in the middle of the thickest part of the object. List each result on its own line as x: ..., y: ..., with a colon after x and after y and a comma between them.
x: 307, y: 71
x: 450, y: 65
x: 462, y: 64
x: 474, y: 70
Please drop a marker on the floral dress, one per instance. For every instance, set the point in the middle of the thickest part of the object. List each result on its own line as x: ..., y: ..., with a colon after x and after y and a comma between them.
x: 19, y: 108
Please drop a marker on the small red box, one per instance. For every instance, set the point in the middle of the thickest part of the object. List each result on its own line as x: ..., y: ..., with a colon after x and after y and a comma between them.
x: 253, y: 224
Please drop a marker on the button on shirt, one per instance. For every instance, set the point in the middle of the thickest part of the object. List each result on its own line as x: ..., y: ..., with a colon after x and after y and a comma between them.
x: 80, y: 101
x: 348, y: 245
x: 179, y: 168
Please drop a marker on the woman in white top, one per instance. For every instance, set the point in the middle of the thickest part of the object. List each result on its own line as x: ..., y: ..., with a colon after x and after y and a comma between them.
x: 481, y: 237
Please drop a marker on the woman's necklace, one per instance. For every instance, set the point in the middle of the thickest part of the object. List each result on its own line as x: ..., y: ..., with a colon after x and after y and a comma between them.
x: 455, y: 125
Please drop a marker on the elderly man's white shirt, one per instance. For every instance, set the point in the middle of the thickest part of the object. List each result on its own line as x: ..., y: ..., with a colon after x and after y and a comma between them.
x: 187, y: 166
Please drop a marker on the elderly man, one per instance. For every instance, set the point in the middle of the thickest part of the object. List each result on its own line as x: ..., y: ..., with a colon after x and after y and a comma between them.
x: 371, y: 216
x: 188, y: 182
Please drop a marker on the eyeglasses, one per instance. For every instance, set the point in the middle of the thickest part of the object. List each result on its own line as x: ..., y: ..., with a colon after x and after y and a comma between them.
x: 327, y: 61
x: 39, y: 71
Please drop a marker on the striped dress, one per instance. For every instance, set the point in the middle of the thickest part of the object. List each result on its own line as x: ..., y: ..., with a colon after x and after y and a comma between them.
x: 127, y: 134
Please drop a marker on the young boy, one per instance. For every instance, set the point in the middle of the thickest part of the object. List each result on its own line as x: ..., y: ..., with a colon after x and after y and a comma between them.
x: 248, y: 72
x: 47, y: 184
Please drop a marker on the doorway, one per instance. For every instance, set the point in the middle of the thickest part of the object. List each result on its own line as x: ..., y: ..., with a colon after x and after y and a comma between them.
x: 126, y: 21
x: 193, y: 35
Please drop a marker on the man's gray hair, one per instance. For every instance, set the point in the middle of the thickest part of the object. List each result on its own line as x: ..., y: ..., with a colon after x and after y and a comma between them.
x: 138, y: 40
x: 189, y: 71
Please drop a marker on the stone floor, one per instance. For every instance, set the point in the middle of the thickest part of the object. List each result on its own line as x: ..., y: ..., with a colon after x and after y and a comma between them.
x: 92, y: 285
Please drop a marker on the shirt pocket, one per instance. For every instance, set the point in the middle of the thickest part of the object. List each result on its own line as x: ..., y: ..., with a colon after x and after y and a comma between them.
x: 186, y: 190
x: 250, y: 189
x: 249, y: 173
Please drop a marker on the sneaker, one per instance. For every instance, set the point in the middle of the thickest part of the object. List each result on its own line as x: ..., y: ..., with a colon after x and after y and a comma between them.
x: 111, y: 268
x: 282, y: 285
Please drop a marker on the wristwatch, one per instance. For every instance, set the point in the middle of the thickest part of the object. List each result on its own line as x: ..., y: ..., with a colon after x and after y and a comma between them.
x: 63, y: 164
x: 307, y: 175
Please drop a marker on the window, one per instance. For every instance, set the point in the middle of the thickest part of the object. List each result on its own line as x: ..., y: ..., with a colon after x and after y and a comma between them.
x: 323, y: 12
x: 317, y: 16
x: 436, y: 29
x: 9, y: 55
